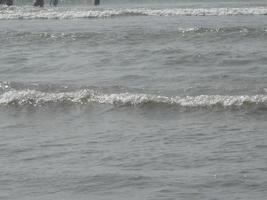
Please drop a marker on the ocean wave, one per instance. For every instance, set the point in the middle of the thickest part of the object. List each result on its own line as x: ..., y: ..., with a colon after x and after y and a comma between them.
x: 86, y: 96
x: 27, y: 12
x: 48, y: 36
x: 242, y: 31
x: 237, y: 29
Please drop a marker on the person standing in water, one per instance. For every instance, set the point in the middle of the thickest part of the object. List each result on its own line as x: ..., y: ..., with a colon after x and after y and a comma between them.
x: 7, y: 2
x: 38, y: 3
x: 53, y: 2
x: 92, y: 2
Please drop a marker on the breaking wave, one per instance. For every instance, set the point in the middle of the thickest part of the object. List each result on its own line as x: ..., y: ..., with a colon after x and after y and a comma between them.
x: 245, y: 31
x: 87, y: 96
x: 27, y: 12
x: 239, y: 29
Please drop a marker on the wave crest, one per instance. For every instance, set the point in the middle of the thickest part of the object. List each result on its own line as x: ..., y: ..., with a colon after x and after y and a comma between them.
x: 72, y: 13
x: 85, y: 96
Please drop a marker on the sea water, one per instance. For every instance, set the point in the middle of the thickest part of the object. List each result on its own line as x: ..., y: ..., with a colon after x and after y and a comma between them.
x: 134, y: 100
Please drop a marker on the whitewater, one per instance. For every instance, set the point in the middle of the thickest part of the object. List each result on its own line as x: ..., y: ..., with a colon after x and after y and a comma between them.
x: 37, y: 98
x: 27, y: 12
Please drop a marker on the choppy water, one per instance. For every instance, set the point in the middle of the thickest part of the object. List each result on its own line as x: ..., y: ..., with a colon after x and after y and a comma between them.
x: 134, y: 101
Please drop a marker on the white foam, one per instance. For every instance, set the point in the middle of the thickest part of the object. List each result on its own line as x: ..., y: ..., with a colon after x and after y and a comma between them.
x: 36, y: 98
x: 72, y: 13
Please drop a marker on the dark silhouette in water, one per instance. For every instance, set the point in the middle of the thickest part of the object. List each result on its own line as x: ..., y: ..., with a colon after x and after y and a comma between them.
x: 93, y: 2
x: 53, y: 2
x: 7, y: 2
x: 39, y: 3
x: 97, y: 2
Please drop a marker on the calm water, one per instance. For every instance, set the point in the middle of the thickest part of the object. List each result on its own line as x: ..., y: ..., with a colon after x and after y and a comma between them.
x: 134, y: 101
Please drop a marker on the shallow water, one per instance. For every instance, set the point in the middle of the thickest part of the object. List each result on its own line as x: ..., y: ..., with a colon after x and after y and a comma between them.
x: 134, y: 101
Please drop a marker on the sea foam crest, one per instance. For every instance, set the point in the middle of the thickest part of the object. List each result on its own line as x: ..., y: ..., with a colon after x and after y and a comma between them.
x: 85, y: 96
x: 72, y: 13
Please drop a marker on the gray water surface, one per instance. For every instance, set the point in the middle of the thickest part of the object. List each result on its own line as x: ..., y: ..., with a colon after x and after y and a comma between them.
x: 134, y: 101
